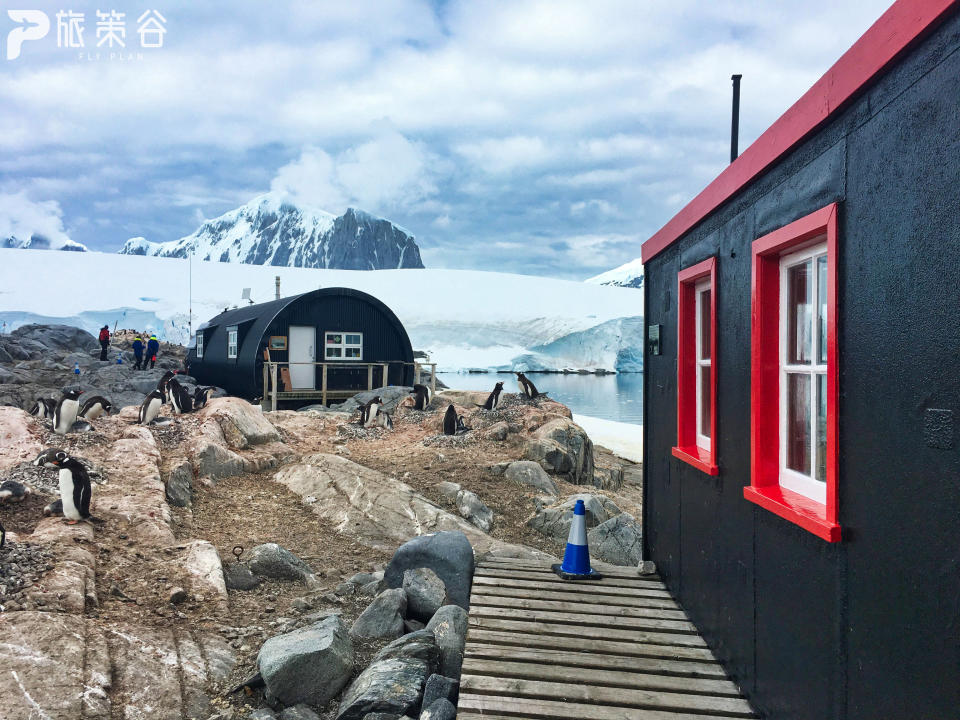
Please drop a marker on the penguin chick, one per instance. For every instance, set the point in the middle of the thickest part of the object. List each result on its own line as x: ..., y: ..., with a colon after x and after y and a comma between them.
x: 12, y: 491
x: 54, y: 508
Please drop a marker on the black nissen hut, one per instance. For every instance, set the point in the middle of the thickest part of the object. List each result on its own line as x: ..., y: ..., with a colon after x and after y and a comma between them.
x: 345, y: 328
x: 802, y: 385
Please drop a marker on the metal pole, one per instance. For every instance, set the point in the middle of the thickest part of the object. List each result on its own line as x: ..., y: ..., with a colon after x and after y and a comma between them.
x: 433, y: 378
x: 735, y: 119
x: 384, y: 375
x: 323, y: 385
x: 190, y: 318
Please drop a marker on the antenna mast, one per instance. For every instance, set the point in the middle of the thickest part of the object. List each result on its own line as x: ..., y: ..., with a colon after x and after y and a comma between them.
x: 190, y: 318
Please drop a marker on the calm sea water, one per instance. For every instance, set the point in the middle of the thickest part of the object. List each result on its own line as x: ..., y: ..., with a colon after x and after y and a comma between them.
x: 611, y: 397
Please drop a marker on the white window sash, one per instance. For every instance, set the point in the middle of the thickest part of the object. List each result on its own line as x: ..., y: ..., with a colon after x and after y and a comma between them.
x: 791, y: 479
x: 200, y: 344
x: 343, y: 345
x: 232, y: 344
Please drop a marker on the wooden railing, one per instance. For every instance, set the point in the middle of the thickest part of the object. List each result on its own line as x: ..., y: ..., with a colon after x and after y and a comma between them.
x: 272, y: 392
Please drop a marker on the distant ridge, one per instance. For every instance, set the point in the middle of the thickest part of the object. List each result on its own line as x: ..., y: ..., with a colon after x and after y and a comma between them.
x: 628, y: 275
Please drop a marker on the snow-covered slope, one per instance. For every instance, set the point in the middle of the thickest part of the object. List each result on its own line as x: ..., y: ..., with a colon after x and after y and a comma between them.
x: 627, y: 275
x: 462, y: 318
x: 272, y: 230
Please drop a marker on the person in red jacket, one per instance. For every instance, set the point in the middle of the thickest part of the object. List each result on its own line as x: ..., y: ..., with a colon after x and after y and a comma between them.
x: 104, y: 341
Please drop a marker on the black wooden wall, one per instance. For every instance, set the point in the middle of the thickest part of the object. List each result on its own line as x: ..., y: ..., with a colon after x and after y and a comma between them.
x: 867, y: 628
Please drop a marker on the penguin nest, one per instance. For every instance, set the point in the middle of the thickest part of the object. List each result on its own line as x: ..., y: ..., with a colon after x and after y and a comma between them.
x: 350, y: 431
x: 21, y: 565
x: 170, y: 436
x: 46, y: 480
x: 457, y: 441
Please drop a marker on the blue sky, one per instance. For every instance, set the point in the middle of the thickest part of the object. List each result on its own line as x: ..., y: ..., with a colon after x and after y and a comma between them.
x: 541, y: 137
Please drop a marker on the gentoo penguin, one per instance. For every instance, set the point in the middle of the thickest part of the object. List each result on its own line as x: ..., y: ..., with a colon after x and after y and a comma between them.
x: 151, y: 407
x: 75, y: 489
x: 94, y: 407
x: 201, y: 395
x: 46, y: 458
x: 421, y: 395
x: 450, y: 419
x: 529, y: 389
x: 373, y: 409
x: 12, y: 491
x: 494, y: 398
x: 162, y: 385
x: 178, y: 397
x: 43, y: 408
x: 54, y: 508
x: 66, y: 413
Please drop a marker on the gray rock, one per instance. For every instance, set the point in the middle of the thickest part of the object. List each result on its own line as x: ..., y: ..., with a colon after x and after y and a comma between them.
x: 448, y: 490
x: 299, y: 712
x: 497, y: 431
x: 383, y: 618
x: 237, y: 576
x: 362, y: 578
x: 448, y: 554
x: 382, y: 716
x: 617, y: 541
x: 5, y: 357
x: 449, y: 626
x: 499, y: 468
x: 179, y: 485
x: 310, y: 665
x: 474, y: 510
x: 440, y: 686
x: 420, y: 644
x: 215, y: 461
x: 413, y: 625
x: 554, y: 521
x: 372, y: 588
x: 64, y: 338
x: 273, y: 561
x: 425, y: 592
x: 441, y: 709
x: 391, y: 396
x: 386, y: 686
x: 561, y: 447
x: 262, y: 714
x: 529, y: 473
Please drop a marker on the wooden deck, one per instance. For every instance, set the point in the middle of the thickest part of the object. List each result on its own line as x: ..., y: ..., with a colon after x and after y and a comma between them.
x: 618, y: 648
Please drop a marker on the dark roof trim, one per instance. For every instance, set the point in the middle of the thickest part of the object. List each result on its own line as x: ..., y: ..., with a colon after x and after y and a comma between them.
x: 903, y: 24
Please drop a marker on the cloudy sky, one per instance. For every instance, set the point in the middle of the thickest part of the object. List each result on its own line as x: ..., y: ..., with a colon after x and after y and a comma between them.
x: 539, y: 137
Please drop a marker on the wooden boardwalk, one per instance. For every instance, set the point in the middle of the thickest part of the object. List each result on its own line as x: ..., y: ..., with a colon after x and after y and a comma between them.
x: 618, y: 648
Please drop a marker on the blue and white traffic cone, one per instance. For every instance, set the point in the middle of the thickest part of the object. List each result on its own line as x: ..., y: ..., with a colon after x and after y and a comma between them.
x: 576, y: 558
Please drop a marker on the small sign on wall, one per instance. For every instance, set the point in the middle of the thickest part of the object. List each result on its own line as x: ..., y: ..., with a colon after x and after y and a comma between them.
x: 278, y: 342
x: 653, y: 339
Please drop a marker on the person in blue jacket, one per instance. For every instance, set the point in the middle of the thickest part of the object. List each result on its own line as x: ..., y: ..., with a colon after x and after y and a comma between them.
x: 153, y: 348
x: 138, y: 353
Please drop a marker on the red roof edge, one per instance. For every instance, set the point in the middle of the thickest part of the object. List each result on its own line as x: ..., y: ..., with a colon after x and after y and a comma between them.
x: 905, y: 22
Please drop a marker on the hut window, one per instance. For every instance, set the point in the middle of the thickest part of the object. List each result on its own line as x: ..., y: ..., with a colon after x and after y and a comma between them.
x: 697, y: 367
x: 199, y: 344
x: 231, y: 342
x: 343, y: 346
x: 794, y: 383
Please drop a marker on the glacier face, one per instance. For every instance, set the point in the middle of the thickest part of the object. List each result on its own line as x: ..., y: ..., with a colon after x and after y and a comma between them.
x: 613, y: 345
x: 272, y: 230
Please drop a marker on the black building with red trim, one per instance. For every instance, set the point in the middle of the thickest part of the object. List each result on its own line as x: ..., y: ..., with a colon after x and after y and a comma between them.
x: 801, y: 457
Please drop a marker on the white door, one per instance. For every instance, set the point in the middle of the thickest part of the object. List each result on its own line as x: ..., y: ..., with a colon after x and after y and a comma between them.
x: 302, y: 349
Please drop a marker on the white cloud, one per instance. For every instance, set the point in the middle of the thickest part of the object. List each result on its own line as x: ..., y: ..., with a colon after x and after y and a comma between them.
x: 22, y: 218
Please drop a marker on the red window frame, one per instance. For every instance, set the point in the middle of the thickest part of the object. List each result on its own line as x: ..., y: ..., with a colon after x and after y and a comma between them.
x: 687, y: 448
x: 765, y: 489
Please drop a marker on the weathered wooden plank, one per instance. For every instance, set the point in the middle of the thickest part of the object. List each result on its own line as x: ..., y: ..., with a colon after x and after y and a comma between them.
x: 601, y: 661
x: 572, y: 586
x: 547, y: 576
x: 614, y: 609
x: 623, y: 697
x: 630, y: 599
x: 506, y: 668
x: 524, y: 564
x: 494, y: 707
x: 613, y: 647
x: 589, y: 623
x: 545, y: 628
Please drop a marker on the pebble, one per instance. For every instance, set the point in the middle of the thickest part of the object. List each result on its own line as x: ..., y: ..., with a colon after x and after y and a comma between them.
x: 177, y: 595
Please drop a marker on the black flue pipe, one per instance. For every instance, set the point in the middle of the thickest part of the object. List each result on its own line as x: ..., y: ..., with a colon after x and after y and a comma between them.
x: 735, y: 120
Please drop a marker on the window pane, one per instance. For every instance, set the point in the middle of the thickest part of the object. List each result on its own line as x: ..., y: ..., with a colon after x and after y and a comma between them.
x: 822, y: 309
x: 798, y: 422
x: 799, y: 307
x: 353, y: 340
x: 821, y: 428
x: 705, y: 325
x: 353, y: 352
x: 333, y: 352
x: 705, y: 400
x: 333, y: 339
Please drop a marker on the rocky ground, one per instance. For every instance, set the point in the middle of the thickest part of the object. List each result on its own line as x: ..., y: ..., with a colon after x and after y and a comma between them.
x: 143, y: 615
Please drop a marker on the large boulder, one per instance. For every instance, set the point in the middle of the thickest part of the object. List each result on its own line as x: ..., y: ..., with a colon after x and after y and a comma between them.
x: 530, y: 474
x: 310, y: 665
x: 273, y: 561
x: 562, y: 448
x: 555, y: 520
x: 425, y: 592
x: 391, y: 396
x: 383, y: 618
x: 448, y: 554
x: 449, y: 626
x: 617, y: 541
x: 440, y: 709
x: 473, y: 509
x: 440, y: 686
x: 241, y: 423
x: 62, y: 338
x: 392, y: 685
x: 420, y: 644
x: 179, y: 484
x: 237, y: 576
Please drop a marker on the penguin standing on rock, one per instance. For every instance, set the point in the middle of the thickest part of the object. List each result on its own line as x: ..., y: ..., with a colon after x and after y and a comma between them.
x: 452, y: 423
x: 494, y: 398
x: 150, y: 408
x: 66, y: 413
x: 162, y: 385
x: 46, y: 458
x: 422, y: 397
x: 529, y: 389
x: 43, y: 408
x: 201, y: 396
x: 95, y: 407
x: 178, y: 397
x: 372, y: 410
x: 75, y: 490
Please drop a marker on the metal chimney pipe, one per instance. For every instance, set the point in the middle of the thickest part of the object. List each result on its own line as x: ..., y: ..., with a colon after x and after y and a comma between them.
x: 278, y: 287
x: 735, y: 120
